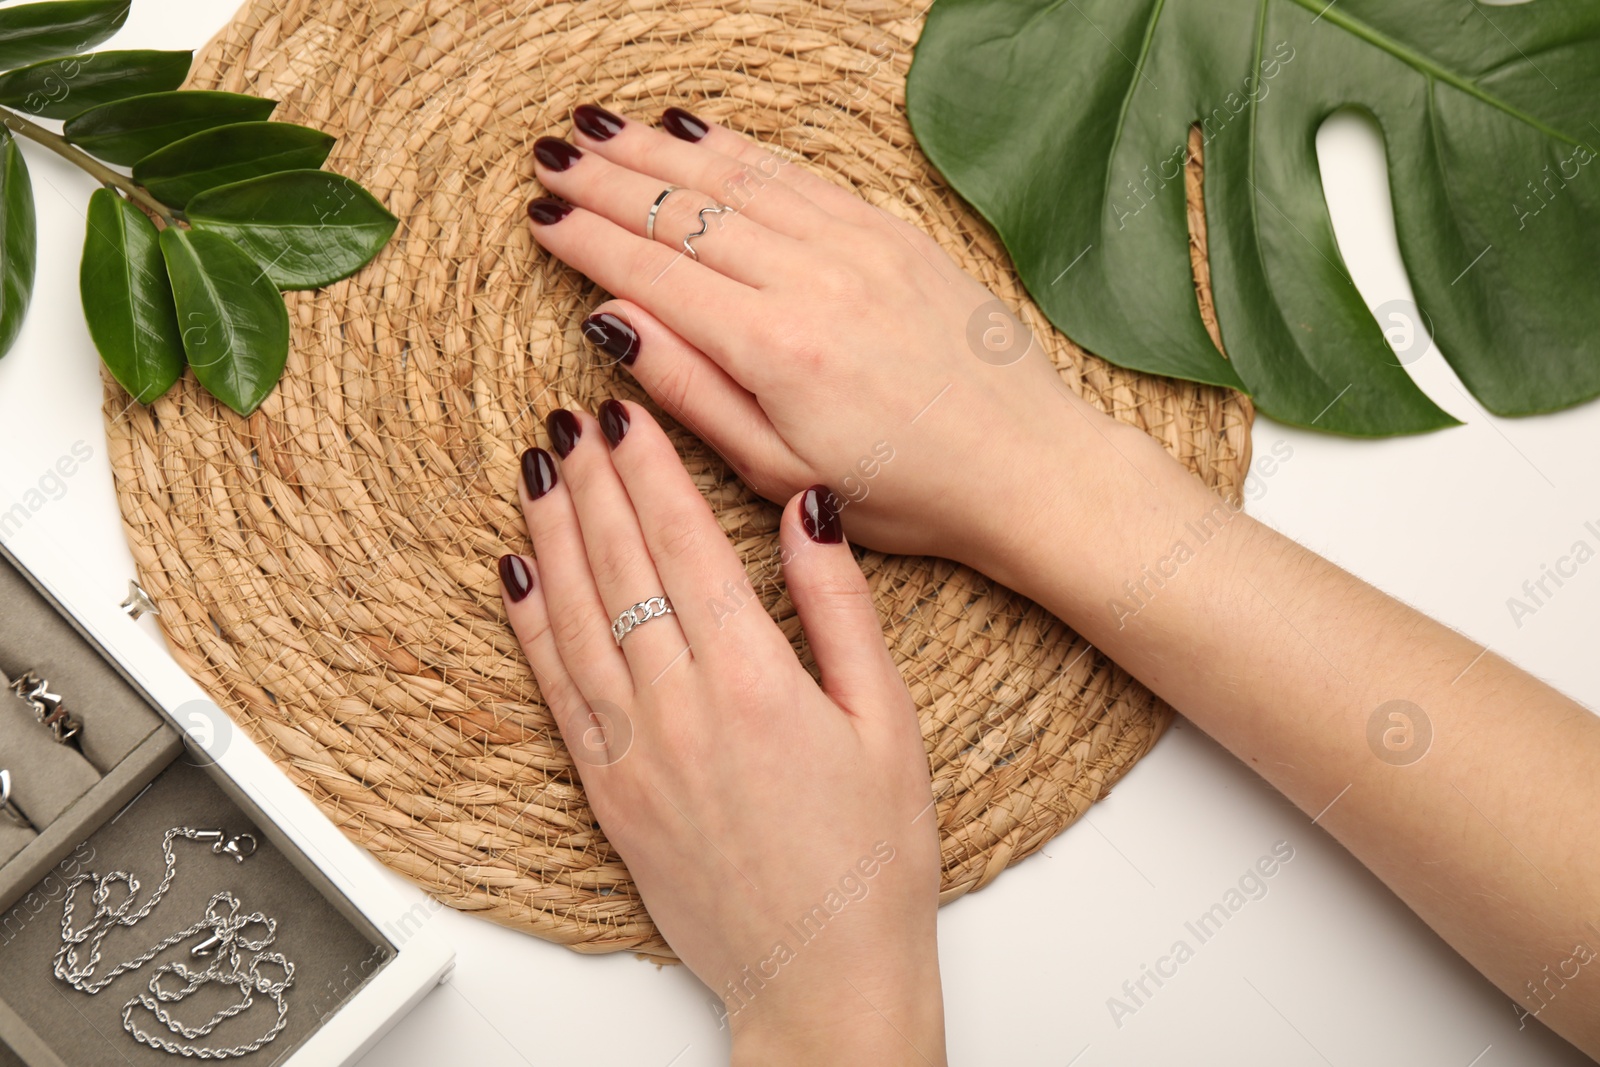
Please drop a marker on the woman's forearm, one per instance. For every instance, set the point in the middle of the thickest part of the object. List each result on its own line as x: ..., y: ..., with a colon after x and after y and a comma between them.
x: 1328, y: 689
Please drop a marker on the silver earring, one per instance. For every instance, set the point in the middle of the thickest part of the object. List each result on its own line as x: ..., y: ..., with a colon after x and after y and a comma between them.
x: 48, y: 709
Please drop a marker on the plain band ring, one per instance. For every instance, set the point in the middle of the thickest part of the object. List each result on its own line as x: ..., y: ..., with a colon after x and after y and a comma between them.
x: 12, y: 813
x: 650, y: 219
x: 638, y: 615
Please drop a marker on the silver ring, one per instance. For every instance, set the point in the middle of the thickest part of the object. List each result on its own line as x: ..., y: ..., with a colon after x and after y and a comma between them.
x: 638, y: 615
x: 650, y: 219
x: 47, y: 708
x: 714, y: 209
x: 8, y: 807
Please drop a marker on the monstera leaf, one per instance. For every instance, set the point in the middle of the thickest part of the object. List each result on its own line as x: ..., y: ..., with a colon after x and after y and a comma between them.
x: 1065, y: 124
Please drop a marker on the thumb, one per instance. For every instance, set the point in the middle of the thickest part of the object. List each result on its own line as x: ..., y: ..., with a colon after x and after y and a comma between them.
x: 835, y: 606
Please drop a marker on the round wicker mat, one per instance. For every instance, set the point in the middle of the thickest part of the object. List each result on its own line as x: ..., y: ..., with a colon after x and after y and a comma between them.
x: 325, y: 568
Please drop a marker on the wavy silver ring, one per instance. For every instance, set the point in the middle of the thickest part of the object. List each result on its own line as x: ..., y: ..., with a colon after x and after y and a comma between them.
x: 650, y: 219
x: 638, y: 615
x: 12, y: 813
x: 714, y: 209
x: 47, y: 708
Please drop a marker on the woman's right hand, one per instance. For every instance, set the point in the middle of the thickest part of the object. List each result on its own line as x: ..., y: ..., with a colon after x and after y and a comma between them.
x: 818, y: 339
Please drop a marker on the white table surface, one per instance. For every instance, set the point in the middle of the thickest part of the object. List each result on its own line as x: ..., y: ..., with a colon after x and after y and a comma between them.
x: 1327, y: 968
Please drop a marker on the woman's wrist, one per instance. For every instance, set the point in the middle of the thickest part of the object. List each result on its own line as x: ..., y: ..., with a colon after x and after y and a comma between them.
x: 1087, y: 507
x: 831, y: 1018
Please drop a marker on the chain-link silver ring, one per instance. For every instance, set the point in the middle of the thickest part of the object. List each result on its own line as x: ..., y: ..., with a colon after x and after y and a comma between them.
x: 638, y: 615
x: 47, y: 708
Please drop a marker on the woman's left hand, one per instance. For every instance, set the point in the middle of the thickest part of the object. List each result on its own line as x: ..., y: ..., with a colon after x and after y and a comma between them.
x: 782, y: 834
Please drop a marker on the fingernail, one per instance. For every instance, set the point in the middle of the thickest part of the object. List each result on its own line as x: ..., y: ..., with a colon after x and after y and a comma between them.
x: 538, y: 472
x: 596, y: 121
x: 683, y: 125
x: 547, y: 210
x: 614, y: 421
x: 565, y: 429
x: 555, y: 153
x: 819, y: 514
x: 515, y: 577
x: 612, y: 335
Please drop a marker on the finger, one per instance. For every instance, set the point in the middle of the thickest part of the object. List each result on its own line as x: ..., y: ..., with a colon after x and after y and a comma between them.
x: 770, y: 161
x: 700, y: 395
x: 530, y: 621
x: 708, y: 585
x: 835, y: 606
x: 624, y: 573
x: 731, y: 244
x: 712, y: 311
x: 578, y: 619
x: 676, y: 161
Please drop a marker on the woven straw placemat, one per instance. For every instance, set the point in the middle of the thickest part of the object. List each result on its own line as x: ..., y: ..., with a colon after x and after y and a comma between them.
x: 325, y: 568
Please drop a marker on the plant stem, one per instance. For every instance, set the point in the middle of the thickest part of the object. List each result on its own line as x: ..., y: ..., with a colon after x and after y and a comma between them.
x: 87, y: 163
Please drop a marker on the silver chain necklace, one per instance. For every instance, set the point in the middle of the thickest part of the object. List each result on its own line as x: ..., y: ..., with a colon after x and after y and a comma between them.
x: 79, y: 953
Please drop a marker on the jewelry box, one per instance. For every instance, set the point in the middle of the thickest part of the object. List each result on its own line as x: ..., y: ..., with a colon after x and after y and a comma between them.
x: 165, y: 891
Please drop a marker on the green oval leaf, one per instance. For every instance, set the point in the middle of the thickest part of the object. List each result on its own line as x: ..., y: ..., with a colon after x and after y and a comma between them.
x: 31, y: 32
x: 125, y: 131
x: 229, y: 154
x: 127, y: 298
x: 19, y: 244
x: 1064, y: 125
x: 61, y: 88
x: 235, y: 327
x: 309, y: 227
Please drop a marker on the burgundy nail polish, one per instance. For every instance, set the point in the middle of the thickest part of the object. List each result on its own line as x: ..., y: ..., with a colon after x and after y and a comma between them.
x: 614, y: 421
x: 612, y: 335
x: 515, y: 577
x: 565, y: 429
x: 683, y: 125
x: 538, y: 472
x: 555, y: 153
x: 595, y: 121
x: 547, y: 210
x: 819, y: 515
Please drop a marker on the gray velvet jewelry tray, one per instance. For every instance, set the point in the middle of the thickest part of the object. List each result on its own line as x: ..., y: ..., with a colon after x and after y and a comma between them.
x: 148, y: 783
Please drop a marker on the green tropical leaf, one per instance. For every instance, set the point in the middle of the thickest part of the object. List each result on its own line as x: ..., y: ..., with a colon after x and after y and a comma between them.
x: 235, y: 327
x: 125, y: 131
x: 127, y: 298
x: 309, y: 227
x: 61, y: 88
x: 31, y: 32
x: 19, y: 246
x: 229, y: 154
x: 1065, y: 125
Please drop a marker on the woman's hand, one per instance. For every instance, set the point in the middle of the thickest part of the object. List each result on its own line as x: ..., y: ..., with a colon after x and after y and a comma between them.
x: 817, y: 338
x: 781, y: 834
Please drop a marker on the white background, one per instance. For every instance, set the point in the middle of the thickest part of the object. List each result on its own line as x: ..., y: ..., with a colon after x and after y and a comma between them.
x: 1327, y: 968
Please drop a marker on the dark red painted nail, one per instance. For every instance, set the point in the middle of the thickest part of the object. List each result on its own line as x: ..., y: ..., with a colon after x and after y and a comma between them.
x: 515, y: 577
x: 683, y: 125
x: 614, y: 421
x: 547, y: 210
x: 595, y: 121
x: 538, y: 472
x: 819, y: 514
x: 612, y: 335
x: 565, y: 429
x: 555, y: 153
